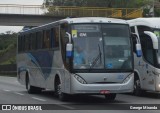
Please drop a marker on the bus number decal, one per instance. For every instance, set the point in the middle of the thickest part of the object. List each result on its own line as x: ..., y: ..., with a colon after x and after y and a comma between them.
x: 83, y: 34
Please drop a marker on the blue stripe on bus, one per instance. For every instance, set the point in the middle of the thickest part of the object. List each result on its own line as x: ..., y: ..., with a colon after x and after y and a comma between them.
x: 43, y: 60
x: 21, y: 69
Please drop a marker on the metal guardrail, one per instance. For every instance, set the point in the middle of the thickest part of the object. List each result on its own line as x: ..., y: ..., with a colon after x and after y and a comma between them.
x: 70, y: 11
x: 95, y: 12
x: 134, y: 14
x: 21, y: 9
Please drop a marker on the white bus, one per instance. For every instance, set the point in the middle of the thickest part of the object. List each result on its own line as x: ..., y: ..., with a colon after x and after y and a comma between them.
x: 147, y: 67
x: 77, y: 56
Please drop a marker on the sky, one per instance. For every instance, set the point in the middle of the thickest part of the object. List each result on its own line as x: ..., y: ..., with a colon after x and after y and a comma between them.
x: 23, y: 2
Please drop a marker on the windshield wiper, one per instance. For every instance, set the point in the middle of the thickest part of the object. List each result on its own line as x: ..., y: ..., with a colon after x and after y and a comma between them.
x: 97, y: 58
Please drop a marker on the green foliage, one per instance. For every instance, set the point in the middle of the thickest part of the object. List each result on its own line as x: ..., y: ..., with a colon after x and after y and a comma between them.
x: 8, y: 43
x: 6, y: 40
x: 11, y: 60
x: 101, y: 3
x: 104, y: 3
x: 157, y: 12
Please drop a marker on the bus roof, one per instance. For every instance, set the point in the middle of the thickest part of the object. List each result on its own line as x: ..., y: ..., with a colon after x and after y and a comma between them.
x: 79, y: 20
x: 150, y: 22
x: 94, y: 20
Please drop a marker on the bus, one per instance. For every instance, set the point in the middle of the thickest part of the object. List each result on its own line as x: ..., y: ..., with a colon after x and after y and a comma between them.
x: 147, y: 67
x: 69, y: 56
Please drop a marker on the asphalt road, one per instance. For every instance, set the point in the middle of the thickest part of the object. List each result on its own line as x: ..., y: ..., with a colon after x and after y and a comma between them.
x: 11, y: 92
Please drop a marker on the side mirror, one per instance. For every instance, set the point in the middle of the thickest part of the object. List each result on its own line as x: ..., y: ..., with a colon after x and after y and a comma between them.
x: 69, y: 46
x: 153, y: 37
x: 138, y: 50
x: 69, y: 49
x: 138, y: 45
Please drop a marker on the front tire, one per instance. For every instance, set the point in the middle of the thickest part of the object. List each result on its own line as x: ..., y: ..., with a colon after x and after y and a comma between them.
x: 31, y: 89
x: 137, y: 88
x: 110, y: 97
x: 58, y: 91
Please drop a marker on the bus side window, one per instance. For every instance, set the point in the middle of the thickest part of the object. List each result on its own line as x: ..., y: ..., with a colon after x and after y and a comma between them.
x: 141, y: 29
x: 26, y: 43
x: 147, y: 49
x: 30, y: 43
x: 132, y: 29
x: 19, y: 44
x: 63, y: 30
x: 46, y: 39
x: 134, y: 44
x: 23, y: 43
x: 34, y: 41
x: 39, y: 39
x: 56, y: 36
x: 62, y: 35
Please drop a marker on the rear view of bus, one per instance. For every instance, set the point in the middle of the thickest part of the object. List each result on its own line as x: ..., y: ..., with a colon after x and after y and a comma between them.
x: 94, y: 57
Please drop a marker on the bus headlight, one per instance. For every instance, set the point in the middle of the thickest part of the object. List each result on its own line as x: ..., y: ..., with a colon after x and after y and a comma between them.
x: 127, y: 79
x: 80, y: 79
x: 159, y: 85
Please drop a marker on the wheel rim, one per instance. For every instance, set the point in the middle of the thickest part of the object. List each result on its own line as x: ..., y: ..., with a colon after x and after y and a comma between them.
x: 28, y: 85
x: 137, y: 88
x: 59, y: 91
x: 137, y: 85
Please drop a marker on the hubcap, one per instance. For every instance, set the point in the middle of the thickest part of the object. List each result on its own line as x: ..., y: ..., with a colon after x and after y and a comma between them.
x: 28, y: 85
x: 59, y: 89
x: 137, y: 84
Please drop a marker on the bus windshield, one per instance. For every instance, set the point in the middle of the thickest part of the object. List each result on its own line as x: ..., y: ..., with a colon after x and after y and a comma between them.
x: 98, y: 46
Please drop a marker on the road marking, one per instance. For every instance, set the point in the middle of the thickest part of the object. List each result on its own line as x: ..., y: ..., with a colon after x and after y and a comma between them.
x: 6, y: 90
x: 19, y: 93
x: 38, y: 99
x: 65, y: 106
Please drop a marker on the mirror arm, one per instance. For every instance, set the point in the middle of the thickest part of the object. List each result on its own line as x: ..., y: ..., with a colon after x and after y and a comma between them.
x: 69, y: 37
x: 136, y: 36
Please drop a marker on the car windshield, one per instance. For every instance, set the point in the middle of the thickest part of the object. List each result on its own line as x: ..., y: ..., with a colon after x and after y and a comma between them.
x: 98, y: 46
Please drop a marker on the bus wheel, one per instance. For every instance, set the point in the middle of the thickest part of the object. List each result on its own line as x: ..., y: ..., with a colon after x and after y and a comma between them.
x: 31, y: 89
x: 58, y: 91
x: 110, y: 97
x: 137, y: 88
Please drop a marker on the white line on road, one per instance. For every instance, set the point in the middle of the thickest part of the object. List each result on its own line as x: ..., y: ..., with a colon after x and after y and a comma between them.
x: 38, y: 99
x: 65, y: 106
x: 19, y: 93
x: 6, y: 90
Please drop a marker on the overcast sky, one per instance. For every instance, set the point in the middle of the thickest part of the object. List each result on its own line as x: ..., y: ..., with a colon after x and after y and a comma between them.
x: 23, y: 2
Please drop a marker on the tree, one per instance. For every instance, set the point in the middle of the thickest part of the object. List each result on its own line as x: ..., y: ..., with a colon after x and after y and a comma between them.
x: 100, y: 3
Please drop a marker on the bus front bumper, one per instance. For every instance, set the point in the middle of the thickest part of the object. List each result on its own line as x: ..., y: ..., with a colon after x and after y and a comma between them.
x: 125, y: 87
